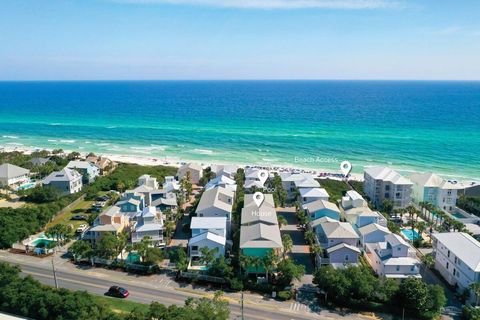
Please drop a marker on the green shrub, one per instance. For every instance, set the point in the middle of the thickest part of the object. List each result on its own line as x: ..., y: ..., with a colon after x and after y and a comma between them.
x: 285, y: 295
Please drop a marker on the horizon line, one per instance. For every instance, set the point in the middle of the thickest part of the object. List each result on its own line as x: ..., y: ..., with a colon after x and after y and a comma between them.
x: 237, y: 80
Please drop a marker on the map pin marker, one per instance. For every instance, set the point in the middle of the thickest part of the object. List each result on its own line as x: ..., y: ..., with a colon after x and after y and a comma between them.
x: 345, y: 167
x: 262, y: 176
x: 258, y: 197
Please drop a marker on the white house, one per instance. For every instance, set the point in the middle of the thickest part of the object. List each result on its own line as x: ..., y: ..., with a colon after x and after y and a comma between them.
x: 68, y: 181
x: 149, y: 222
x: 88, y: 170
x: 196, y: 172
x: 311, y: 194
x: 216, y: 202
x: 393, y: 258
x: 353, y: 199
x: 11, y: 175
x: 383, y: 183
x: 429, y: 187
x: 147, y: 180
x: 252, y: 178
x: 457, y: 258
x: 293, y: 181
x: 209, y: 240
x: 217, y: 225
x: 372, y: 233
x: 330, y: 233
x: 171, y: 184
x: 229, y: 170
x: 363, y: 216
x: 222, y: 181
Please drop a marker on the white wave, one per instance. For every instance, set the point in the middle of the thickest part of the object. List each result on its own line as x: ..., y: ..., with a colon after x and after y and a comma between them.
x: 67, y: 141
x: 102, y: 144
x: 87, y: 142
x: 52, y: 140
x: 14, y: 144
x: 203, y: 151
x: 10, y: 137
x: 151, y: 148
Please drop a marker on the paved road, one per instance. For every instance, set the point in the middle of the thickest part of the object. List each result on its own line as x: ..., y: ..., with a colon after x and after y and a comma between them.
x: 146, y: 292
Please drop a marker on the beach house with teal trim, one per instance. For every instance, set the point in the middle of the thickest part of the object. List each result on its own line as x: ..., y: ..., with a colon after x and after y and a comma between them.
x: 431, y: 188
x: 321, y: 208
x: 88, y: 170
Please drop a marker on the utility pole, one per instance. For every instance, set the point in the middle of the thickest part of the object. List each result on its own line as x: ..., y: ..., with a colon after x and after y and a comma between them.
x: 54, y: 275
x: 242, y: 304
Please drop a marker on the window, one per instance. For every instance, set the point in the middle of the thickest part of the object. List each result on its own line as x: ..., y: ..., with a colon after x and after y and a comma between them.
x: 447, y: 266
x: 412, y: 268
x: 455, y: 259
x: 398, y: 268
x: 387, y: 188
x: 347, y: 257
x: 454, y: 271
x: 448, y: 253
x: 194, y: 248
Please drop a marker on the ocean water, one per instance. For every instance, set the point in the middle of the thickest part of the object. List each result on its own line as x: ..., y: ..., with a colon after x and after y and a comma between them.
x: 410, y: 126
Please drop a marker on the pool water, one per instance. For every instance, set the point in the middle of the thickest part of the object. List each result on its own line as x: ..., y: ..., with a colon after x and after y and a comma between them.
x: 411, y: 234
x: 26, y: 186
x: 133, y: 257
x: 41, y: 242
x: 458, y: 215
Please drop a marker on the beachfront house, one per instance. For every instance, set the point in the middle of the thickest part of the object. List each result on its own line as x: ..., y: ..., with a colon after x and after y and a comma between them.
x: 111, y: 221
x: 252, y: 178
x: 253, y: 214
x: 68, y: 181
x: 39, y: 161
x: 171, y: 184
x: 353, y: 199
x: 11, y: 175
x: 131, y: 201
x: 147, y: 180
x: 383, y: 183
x: 372, y: 233
x: 105, y: 165
x: 393, y: 258
x: 429, y: 187
x: 291, y: 182
x: 148, y: 222
x: 196, y: 172
x: 222, y: 181
x: 216, y: 202
x: 88, y: 170
x: 457, y: 259
x: 321, y: 208
x: 229, y: 170
x: 308, y: 195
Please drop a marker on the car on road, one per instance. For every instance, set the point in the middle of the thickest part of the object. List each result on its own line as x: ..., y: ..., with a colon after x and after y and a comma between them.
x: 79, y: 217
x: 118, y: 292
x: 81, y: 228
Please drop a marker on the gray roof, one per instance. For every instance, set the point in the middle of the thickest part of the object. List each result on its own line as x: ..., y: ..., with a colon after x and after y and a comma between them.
x: 209, y: 236
x: 63, y: 175
x: 341, y: 246
x: 39, y: 161
x: 372, y: 227
x: 80, y: 164
x: 395, y: 240
x: 210, y: 198
x: 318, y: 205
x: 462, y: 245
x: 338, y: 230
x: 260, y: 235
x: 266, y: 213
x: 10, y: 171
x: 387, y: 174
x: 208, y: 223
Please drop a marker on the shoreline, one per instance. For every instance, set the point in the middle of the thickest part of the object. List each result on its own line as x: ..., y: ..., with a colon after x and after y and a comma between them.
x: 176, y: 162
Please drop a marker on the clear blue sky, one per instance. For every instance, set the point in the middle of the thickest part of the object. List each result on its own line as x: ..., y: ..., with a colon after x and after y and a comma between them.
x: 239, y: 39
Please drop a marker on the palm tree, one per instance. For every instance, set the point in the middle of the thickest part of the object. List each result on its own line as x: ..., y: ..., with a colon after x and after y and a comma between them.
x: 287, y: 244
x: 387, y: 206
x: 475, y: 287
x: 421, y: 226
x: 282, y: 221
x: 269, y: 262
x: 428, y: 261
x: 122, y: 239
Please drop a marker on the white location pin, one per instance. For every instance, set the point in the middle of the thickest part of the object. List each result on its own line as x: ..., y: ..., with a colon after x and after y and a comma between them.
x: 345, y: 167
x: 262, y: 176
x: 258, y: 197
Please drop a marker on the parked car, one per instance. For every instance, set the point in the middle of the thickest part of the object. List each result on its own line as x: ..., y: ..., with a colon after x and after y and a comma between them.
x: 81, y: 228
x: 103, y: 198
x: 118, y: 292
x: 79, y: 217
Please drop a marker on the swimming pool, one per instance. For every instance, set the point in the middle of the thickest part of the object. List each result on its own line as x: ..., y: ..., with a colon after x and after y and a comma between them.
x: 411, y: 234
x: 26, y: 186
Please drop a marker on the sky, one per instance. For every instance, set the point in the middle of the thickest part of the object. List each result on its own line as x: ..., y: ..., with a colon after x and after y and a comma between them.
x: 239, y: 39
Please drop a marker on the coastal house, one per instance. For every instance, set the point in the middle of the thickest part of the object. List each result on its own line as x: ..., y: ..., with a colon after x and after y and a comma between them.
x: 308, y: 195
x: 39, y: 161
x: 457, y: 259
x: 229, y: 170
x: 148, y: 222
x: 105, y: 165
x: 363, y: 216
x: 331, y: 233
x: 321, y: 208
x: 353, y: 199
x: 393, y: 258
x: 253, y: 214
x: 68, y: 181
x: 291, y: 182
x: 216, y: 202
x: 259, y: 231
x: 131, y: 201
x: 431, y: 188
x: 209, y: 232
x: 383, y: 183
x: 196, y: 172
x: 111, y: 221
x: 13, y: 175
x: 165, y: 201
x: 222, y: 181
x: 171, y: 184
x: 340, y: 256
x: 372, y: 233
x: 147, y: 180
x: 252, y: 178
x: 88, y: 170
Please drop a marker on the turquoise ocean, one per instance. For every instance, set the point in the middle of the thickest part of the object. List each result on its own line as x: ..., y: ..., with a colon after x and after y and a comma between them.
x: 408, y: 125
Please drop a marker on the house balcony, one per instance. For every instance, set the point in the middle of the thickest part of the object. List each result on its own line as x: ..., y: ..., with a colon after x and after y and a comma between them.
x: 137, y: 237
